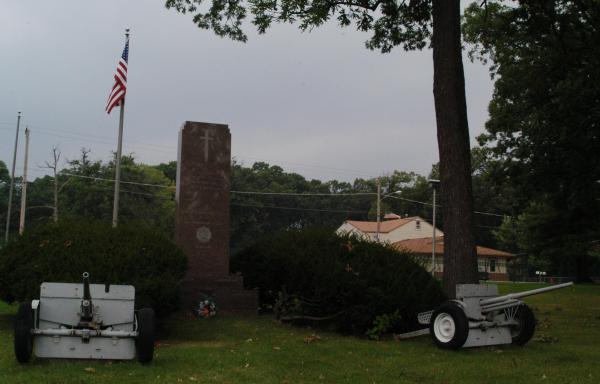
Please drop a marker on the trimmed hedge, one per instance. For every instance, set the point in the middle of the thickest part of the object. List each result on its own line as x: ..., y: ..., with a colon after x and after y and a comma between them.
x: 61, y: 252
x: 350, y: 284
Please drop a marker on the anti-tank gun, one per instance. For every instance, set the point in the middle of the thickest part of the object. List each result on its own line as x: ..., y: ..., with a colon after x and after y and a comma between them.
x: 84, y: 321
x: 479, y: 317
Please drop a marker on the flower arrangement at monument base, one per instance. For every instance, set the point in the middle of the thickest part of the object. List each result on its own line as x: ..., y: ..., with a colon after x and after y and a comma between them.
x: 206, y: 307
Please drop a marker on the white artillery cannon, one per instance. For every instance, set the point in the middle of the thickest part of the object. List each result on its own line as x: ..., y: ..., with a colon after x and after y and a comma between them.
x: 479, y: 317
x: 84, y: 321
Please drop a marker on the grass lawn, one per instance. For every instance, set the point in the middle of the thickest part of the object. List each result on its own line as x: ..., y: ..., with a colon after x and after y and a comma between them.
x: 565, y: 349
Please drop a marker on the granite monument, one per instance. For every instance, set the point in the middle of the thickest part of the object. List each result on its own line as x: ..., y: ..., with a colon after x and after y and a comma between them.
x: 202, y: 217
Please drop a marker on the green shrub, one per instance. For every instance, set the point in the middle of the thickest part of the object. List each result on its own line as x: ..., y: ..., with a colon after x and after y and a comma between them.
x: 127, y: 254
x: 342, y: 281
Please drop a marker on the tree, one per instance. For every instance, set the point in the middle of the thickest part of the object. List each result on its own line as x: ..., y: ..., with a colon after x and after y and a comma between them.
x: 54, y: 167
x: 169, y: 169
x: 255, y: 215
x: 84, y: 190
x: 543, y: 128
x: 4, y: 176
x: 409, y: 24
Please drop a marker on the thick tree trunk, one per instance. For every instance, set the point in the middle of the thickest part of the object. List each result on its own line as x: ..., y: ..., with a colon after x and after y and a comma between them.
x: 460, y: 259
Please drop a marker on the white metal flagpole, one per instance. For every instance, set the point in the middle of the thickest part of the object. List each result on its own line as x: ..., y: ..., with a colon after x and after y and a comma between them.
x: 115, y: 218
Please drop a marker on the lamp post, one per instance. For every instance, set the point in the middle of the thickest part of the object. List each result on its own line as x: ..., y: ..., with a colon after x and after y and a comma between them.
x: 434, y: 183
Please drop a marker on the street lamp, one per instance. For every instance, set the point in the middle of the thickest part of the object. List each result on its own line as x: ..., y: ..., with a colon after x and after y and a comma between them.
x: 434, y: 184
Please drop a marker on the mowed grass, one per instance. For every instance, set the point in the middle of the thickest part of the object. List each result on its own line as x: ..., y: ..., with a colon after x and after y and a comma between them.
x: 228, y: 349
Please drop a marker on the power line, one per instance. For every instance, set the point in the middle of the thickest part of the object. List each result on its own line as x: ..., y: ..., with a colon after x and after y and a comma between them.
x: 439, y: 206
x: 490, y: 214
x: 338, y: 170
x: 110, y: 139
x: 135, y: 145
x: 297, y: 209
x: 167, y: 149
x: 234, y: 192
x: 113, y: 180
x: 302, y: 193
x: 410, y: 200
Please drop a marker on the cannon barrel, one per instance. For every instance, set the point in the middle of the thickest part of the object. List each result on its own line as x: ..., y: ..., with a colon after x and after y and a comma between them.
x: 86, y: 286
x: 518, y: 295
x: 87, y: 309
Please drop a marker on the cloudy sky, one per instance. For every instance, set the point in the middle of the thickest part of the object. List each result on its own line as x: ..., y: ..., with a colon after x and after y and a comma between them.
x: 316, y: 103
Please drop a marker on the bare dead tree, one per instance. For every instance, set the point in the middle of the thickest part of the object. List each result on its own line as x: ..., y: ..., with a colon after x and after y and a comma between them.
x: 53, y: 165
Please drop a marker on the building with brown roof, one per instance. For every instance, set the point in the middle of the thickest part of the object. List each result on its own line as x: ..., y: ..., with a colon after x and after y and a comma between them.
x: 490, y: 261
x: 413, y: 234
x: 391, y: 230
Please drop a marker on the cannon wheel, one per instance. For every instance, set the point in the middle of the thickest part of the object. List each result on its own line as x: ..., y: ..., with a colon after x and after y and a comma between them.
x: 23, y: 337
x: 449, y: 326
x: 523, y: 332
x: 145, y: 340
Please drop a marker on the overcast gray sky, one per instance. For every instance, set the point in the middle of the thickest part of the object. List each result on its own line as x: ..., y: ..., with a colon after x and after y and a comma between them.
x: 316, y: 103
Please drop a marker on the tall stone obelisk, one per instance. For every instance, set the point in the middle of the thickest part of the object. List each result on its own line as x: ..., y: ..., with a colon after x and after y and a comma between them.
x: 202, y: 218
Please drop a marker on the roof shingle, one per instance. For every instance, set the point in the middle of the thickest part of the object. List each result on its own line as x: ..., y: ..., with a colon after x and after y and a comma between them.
x: 424, y: 245
x: 384, y: 226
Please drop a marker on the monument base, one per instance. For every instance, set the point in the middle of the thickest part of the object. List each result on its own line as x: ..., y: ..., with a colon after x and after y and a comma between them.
x: 228, y: 293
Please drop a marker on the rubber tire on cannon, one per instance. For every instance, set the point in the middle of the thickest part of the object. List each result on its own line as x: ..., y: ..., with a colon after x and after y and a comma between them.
x: 144, y: 342
x: 449, y: 326
x: 23, y: 338
x: 523, y: 332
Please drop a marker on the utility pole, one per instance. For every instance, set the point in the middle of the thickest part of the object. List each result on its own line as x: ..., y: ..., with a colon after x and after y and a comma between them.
x: 434, y: 183
x: 24, y: 185
x: 12, y: 179
x: 378, y: 208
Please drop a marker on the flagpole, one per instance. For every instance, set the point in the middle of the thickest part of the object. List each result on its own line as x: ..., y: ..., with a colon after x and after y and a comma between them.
x: 12, y: 179
x: 115, y: 218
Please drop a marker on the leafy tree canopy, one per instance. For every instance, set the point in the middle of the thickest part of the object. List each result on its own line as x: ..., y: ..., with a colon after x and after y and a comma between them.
x: 542, y: 136
x: 4, y: 176
x: 406, y: 23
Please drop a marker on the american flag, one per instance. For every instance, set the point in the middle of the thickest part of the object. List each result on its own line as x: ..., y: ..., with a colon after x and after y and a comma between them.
x: 118, y: 90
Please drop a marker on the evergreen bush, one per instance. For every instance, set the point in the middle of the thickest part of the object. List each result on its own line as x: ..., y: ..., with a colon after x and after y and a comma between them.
x: 348, y: 283
x: 61, y: 252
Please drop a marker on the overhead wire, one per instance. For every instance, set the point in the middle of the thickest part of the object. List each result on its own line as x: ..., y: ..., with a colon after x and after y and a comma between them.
x: 439, y: 206
x: 72, y: 135
x: 100, y: 139
x: 281, y: 193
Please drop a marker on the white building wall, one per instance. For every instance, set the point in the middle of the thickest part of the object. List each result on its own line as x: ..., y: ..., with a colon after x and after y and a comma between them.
x: 411, y: 230
x: 483, y: 264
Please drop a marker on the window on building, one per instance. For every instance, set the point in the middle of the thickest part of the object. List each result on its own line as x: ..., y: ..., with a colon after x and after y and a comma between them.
x: 492, y: 265
x: 418, y: 224
x: 481, y: 265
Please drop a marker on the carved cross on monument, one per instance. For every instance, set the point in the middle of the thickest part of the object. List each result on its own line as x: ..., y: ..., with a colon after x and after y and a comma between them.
x: 206, y: 139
